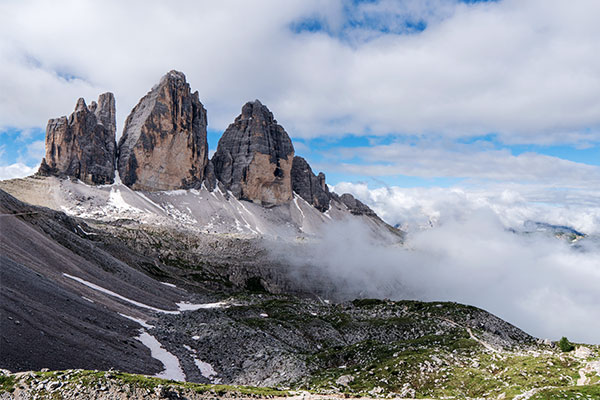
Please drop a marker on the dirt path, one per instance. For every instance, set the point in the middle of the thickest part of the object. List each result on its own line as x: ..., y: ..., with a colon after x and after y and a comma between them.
x: 472, y: 336
x: 481, y: 342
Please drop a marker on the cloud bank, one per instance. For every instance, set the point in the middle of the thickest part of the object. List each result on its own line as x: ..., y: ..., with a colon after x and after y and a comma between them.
x: 421, y: 208
x: 527, y: 70
x: 468, y: 246
x: 538, y: 283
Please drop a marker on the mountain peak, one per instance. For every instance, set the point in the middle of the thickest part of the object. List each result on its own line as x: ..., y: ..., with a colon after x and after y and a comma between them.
x: 254, y: 157
x: 83, y: 145
x: 257, y: 110
x: 164, y: 144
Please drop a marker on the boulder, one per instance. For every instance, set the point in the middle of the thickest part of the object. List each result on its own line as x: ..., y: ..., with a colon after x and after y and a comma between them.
x: 309, y: 186
x: 164, y: 145
x: 83, y: 146
x: 254, y: 157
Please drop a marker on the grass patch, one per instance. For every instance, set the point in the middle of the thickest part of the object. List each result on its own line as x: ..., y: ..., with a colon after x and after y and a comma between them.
x: 367, y: 302
x: 7, y: 383
x: 577, y: 392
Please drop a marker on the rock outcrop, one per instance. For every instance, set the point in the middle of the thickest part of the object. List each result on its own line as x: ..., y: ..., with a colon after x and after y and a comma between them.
x: 164, y: 145
x: 355, y: 206
x: 308, y: 186
x: 82, y: 146
x: 254, y: 157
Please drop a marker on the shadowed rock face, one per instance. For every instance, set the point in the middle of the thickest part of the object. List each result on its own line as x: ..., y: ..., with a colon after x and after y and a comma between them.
x: 83, y: 145
x: 164, y: 146
x: 254, y: 157
x: 355, y: 206
x: 308, y: 186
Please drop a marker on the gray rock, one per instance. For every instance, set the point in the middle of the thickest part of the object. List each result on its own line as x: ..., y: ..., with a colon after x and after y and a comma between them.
x: 82, y: 146
x: 254, y: 157
x: 344, y: 380
x: 210, y: 179
x: 308, y: 186
x: 355, y: 206
x: 164, y: 145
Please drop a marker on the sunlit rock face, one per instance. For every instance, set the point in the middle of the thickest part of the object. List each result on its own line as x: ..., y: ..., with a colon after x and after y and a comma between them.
x: 82, y: 146
x: 309, y: 186
x: 254, y: 157
x: 164, y: 145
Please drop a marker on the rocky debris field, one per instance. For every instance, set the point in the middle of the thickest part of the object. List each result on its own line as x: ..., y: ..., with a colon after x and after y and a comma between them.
x: 113, y: 385
x: 369, y: 347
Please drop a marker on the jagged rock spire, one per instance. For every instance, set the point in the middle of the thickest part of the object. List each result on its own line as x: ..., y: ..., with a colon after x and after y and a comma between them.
x: 309, y: 186
x: 254, y: 157
x: 164, y: 145
x: 83, y: 145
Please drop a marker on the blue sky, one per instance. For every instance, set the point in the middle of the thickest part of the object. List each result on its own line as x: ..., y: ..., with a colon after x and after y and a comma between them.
x: 436, y: 93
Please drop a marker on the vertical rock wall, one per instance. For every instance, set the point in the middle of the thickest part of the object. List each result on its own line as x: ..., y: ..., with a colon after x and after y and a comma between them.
x: 82, y: 146
x: 164, y: 145
x: 254, y: 157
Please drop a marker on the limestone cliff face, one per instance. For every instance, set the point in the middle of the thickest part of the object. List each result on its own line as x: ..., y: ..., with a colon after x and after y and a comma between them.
x: 254, y: 157
x: 308, y: 186
x: 82, y: 146
x: 164, y: 145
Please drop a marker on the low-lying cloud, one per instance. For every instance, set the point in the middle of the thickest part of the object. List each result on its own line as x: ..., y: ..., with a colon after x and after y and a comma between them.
x: 536, y: 282
x: 420, y: 208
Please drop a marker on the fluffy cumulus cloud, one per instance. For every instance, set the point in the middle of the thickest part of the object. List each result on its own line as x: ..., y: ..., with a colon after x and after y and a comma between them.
x: 16, y: 170
x: 416, y: 209
x: 527, y: 70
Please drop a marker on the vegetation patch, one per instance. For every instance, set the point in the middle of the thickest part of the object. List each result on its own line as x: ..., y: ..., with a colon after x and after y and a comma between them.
x: 7, y: 383
x: 578, y: 392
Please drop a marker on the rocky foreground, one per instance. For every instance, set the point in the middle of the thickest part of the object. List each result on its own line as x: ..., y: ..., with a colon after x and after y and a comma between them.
x: 114, y: 385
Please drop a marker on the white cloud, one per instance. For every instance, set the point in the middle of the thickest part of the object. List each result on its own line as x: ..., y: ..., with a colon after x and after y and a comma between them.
x: 538, y: 283
x: 35, y: 151
x: 525, y: 69
x: 420, y: 208
x: 429, y: 159
x: 16, y: 170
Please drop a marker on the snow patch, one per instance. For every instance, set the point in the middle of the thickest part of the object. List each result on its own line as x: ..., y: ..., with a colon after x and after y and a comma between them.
x: 118, y: 296
x: 140, y: 321
x: 84, y: 232
x: 177, y: 192
x: 115, y: 199
x: 185, y: 306
x: 298, y: 207
x: 170, y: 362
x: 143, y: 196
x: 168, y: 284
x: 206, y: 370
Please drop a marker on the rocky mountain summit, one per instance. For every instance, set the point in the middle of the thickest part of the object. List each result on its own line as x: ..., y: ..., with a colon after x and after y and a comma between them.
x: 82, y: 146
x: 254, y: 157
x: 164, y: 145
